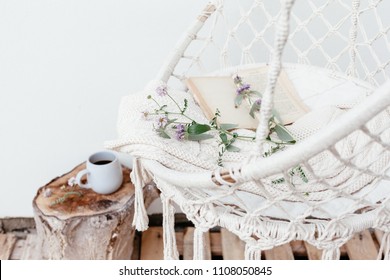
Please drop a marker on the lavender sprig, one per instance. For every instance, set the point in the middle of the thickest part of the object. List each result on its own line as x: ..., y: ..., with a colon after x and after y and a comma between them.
x: 244, y: 91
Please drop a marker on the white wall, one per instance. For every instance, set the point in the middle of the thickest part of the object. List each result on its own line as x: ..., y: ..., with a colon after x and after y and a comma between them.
x: 64, y: 65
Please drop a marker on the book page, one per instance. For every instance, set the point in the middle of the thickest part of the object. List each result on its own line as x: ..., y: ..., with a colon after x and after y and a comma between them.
x: 219, y: 92
x: 287, y: 102
x: 212, y: 93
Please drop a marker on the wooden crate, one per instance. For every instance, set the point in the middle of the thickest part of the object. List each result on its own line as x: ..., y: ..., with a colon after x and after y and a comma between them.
x: 18, y: 242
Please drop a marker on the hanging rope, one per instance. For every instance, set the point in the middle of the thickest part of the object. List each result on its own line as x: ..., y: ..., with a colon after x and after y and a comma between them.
x: 273, y: 74
x: 352, y: 37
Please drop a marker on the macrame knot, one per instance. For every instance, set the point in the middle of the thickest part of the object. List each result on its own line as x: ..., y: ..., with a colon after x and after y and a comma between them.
x: 331, y: 246
x: 139, y: 178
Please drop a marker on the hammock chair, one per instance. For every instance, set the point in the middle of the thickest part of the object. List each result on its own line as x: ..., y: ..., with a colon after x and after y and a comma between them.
x: 337, y: 55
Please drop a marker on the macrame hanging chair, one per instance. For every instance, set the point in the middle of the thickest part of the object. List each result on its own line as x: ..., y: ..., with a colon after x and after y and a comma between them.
x: 337, y: 54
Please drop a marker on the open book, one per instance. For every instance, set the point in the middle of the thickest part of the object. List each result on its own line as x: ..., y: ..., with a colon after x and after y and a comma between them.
x: 219, y: 92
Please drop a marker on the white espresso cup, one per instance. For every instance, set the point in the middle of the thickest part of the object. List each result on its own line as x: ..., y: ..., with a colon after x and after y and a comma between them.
x: 104, y: 173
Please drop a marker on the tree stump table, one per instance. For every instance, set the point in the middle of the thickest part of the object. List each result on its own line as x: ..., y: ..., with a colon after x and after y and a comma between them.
x: 77, y: 223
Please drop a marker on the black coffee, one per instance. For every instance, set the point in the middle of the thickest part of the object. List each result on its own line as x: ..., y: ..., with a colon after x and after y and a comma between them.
x: 102, y: 162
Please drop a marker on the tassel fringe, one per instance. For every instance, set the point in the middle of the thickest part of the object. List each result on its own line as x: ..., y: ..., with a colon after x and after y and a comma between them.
x: 385, y: 247
x: 332, y: 253
x: 170, y: 247
x: 252, y: 252
x: 141, y: 220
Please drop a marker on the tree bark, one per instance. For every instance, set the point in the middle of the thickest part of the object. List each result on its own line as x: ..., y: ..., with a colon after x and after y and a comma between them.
x: 86, y: 225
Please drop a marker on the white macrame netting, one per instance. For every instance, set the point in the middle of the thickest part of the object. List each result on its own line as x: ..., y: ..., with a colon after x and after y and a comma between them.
x: 343, y: 143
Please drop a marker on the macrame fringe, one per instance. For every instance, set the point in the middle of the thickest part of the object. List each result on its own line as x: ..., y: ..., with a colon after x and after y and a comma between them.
x: 252, y: 252
x: 385, y: 247
x: 169, y: 236
x: 332, y: 253
x: 199, y: 252
x: 141, y: 220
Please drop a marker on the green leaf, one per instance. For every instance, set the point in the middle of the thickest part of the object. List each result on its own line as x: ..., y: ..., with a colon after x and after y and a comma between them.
x: 163, y: 134
x: 195, y: 129
x: 302, y: 174
x: 238, y: 100
x: 185, y: 106
x: 232, y: 148
x: 171, y: 121
x: 276, y: 115
x: 255, y: 108
x: 223, y: 137
x: 255, y: 92
x: 283, y: 134
x: 278, y: 181
x: 228, y: 126
x: 200, y: 137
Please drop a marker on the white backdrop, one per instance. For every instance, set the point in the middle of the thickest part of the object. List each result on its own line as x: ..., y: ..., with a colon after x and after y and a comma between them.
x: 64, y: 65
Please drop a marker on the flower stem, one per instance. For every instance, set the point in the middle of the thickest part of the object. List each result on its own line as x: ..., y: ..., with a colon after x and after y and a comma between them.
x: 249, y: 138
x: 175, y: 103
x: 173, y: 113
x: 155, y: 101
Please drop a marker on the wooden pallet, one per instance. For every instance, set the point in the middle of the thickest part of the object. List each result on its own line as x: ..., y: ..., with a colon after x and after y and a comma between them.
x: 19, y: 244
x: 221, y: 244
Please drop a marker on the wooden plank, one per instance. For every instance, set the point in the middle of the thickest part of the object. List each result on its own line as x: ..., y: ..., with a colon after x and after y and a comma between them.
x: 135, y: 255
x: 16, y: 224
x: 7, y: 243
x: 282, y: 252
x: 30, y: 251
x: 298, y: 248
x: 152, y: 246
x: 188, y: 244
x: 378, y: 235
x: 233, y: 248
x: 207, y: 246
x: 179, y: 242
x: 215, y: 243
x: 361, y: 247
x: 17, y: 252
x: 313, y: 253
x: 378, y: 238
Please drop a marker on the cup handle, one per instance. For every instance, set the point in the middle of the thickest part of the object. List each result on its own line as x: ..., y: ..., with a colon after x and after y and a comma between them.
x: 79, y: 176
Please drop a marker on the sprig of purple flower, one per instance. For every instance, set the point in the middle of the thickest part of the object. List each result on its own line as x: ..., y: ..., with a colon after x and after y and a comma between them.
x: 180, y: 131
x: 188, y: 129
x: 165, y: 125
x: 242, y: 88
x: 244, y: 91
x: 162, y: 90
